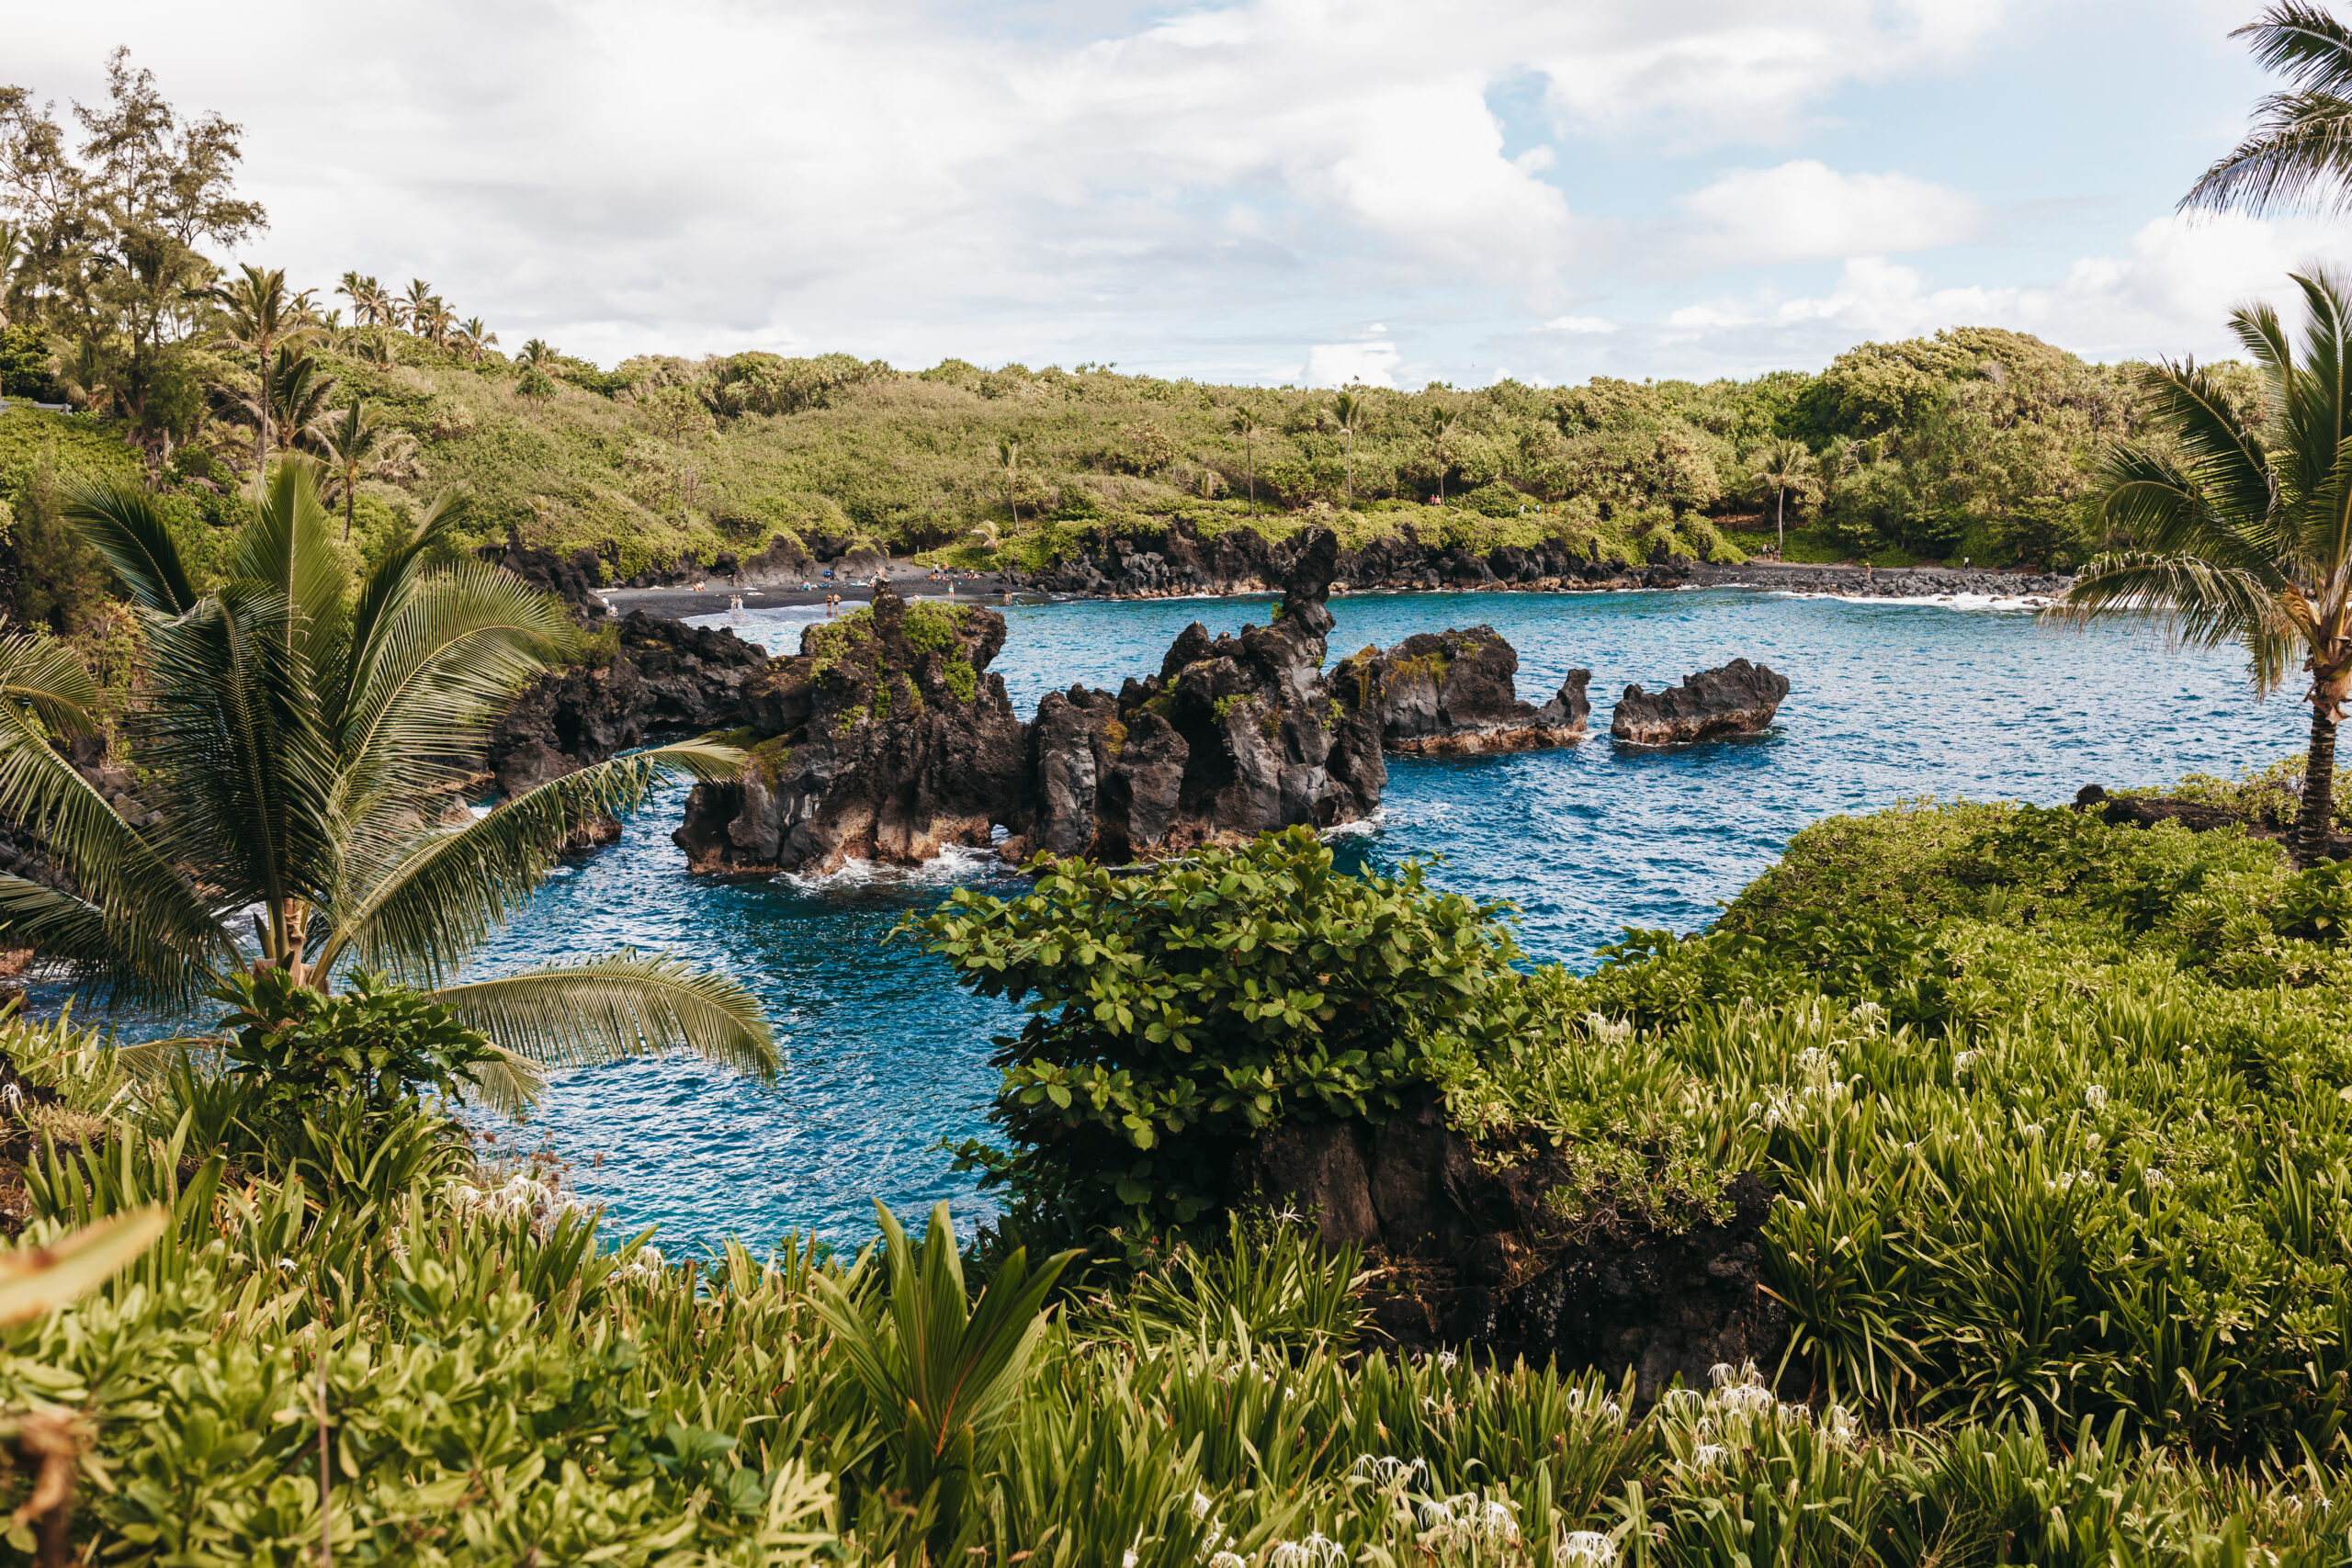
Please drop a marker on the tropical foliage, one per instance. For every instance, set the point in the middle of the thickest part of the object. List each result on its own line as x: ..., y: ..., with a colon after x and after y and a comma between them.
x: 310, y: 734
x: 2239, y: 538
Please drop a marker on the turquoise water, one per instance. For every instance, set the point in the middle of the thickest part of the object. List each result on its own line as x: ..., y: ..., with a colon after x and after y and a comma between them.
x: 1889, y: 701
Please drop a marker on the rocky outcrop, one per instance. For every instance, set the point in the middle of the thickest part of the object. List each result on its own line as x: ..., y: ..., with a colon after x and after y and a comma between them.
x: 573, y: 579
x: 666, y: 676
x: 2202, y: 817
x: 1739, y: 699
x: 1453, y: 694
x: 1177, y: 561
x: 1470, y: 1251
x: 1234, y: 735
x: 1242, y: 560
x: 884, y: 740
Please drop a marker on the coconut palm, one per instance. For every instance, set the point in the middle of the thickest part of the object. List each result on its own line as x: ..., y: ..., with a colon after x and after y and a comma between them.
x: 370, y: 303
x: 299, y: 391
x: 409, y: 309
x: 1786, y: 467
x: 2300, y: 151
x: 12, y: 261
x: 1441, y: 421
x: 474, y: 335
x: 1347, y: 412
x: 308, y: 739
x: 988, y: 536
x: 2244, y: 539
x: 536, y: 352
x: 263, y: 316
x: 434, y: 321
x: 357, y: 444
x: 1245, y: 425
x: 1008, y: 464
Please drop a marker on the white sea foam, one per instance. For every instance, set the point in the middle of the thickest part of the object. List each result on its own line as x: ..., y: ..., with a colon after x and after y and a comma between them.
x: 955, y: 863
x: 1363, y: 829
x: 1928, y: 601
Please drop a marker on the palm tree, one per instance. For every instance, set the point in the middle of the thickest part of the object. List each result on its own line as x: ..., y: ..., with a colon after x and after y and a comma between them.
x: 357, y: 444
x: 988, y: 536
x: 263, y: 316
x: 12, y: 258
x: 1245, y: 425
x: 2242, y: 538
x: 300, y: 388
x: 1348, y: 410
x: 1008, y: 458
x: 370, y: 303
x: 2300, y: 151
x: 474, y: 336
x: 309, y: 736
x: 409, y: 309
x: 434, y: 321
x: 1784, y: 467
x: 1443, y: 423
x: 536, y: 352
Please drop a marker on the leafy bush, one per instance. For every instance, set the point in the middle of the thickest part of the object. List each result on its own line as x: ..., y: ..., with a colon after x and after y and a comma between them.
x: 1178, y: 1010
x: 376, y: 1044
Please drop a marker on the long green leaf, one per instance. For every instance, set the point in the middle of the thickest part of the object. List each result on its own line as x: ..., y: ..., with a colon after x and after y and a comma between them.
x: 621, y: 1004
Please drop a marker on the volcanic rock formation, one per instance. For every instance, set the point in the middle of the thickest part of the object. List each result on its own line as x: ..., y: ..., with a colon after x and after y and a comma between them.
x: 1739, y: 699
x: 885, y: 738
x: 1234, y: 735
x: 665, y: 676
x: 1473, y: 1255
x: 1452, y: 694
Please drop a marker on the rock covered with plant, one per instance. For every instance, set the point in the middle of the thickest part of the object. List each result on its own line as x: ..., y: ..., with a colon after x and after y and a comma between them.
x: 1739, y: 698
x: 659, y: 677
x: 1453, y: 694
x: 1236, y: 735
x: 885, y: 738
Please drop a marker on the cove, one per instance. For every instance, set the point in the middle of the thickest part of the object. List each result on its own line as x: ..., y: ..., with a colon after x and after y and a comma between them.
x: 1890, y: 700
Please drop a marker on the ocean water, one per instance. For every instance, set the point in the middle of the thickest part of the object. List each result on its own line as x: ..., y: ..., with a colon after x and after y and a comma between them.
x: 885, y: 1059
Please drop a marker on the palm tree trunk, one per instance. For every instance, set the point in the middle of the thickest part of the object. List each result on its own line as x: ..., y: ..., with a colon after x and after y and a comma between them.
x: 350, y: 500
x: 261, y: 425
x: 2312, y: 825
x: 1780, y: 521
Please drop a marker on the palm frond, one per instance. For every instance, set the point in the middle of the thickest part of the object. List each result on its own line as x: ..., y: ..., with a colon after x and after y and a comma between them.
x: 620, y: 1004
x: 508, y: 1084
x: 152, y: 1061
x: 2195, y: 602
x: 2304, y: 43
x: 122, y: 523
x: 231, y: 717
x: 433, y: 904
x: 289, y: 546
x: 440, y: 660
x: 159, y: 925
x: 2227, y: 462
x: 49, y: 678
x: 115, y: 956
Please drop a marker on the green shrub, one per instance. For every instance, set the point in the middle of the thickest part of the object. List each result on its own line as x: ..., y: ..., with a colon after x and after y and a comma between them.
x: 1179, y: 1010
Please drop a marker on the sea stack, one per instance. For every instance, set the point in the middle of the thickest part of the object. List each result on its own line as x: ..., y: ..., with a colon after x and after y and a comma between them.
x: 1452, y: 694
x: 1739, y: 698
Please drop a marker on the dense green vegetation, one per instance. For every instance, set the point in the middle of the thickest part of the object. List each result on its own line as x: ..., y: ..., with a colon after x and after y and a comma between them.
x: 2059, y: 1126
x: 2060, y: 1114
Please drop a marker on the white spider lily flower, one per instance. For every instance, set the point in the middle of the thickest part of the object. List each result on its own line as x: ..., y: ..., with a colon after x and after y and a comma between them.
x: 1584, y: 1549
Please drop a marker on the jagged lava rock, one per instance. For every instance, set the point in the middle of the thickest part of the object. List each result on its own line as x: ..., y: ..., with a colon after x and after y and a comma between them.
x: 1739, y: 698
x: 1476, y: 1259
x: 1236, y: 735
x: 666, y: 676
x: 883, y: 739
x: 1452, y: 693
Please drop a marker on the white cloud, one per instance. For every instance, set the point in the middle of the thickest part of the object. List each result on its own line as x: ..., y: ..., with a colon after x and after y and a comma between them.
x: 1579, y: 324
x: 1345, y: 364
x: 1805, y: 211
x: 898, y: 178
x: 2170, y: 294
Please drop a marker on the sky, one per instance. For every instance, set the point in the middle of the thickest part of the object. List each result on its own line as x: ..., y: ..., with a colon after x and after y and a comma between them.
x: 1269, y: 191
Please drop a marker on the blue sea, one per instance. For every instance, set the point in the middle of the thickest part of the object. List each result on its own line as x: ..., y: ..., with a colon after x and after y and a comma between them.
x: 885, y: 1059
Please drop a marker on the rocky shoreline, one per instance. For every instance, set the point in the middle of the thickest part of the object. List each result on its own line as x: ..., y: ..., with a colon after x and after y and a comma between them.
x: 1241, y: 561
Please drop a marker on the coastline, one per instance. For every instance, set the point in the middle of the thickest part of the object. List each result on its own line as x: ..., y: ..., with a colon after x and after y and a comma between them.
x: 906, y: 579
